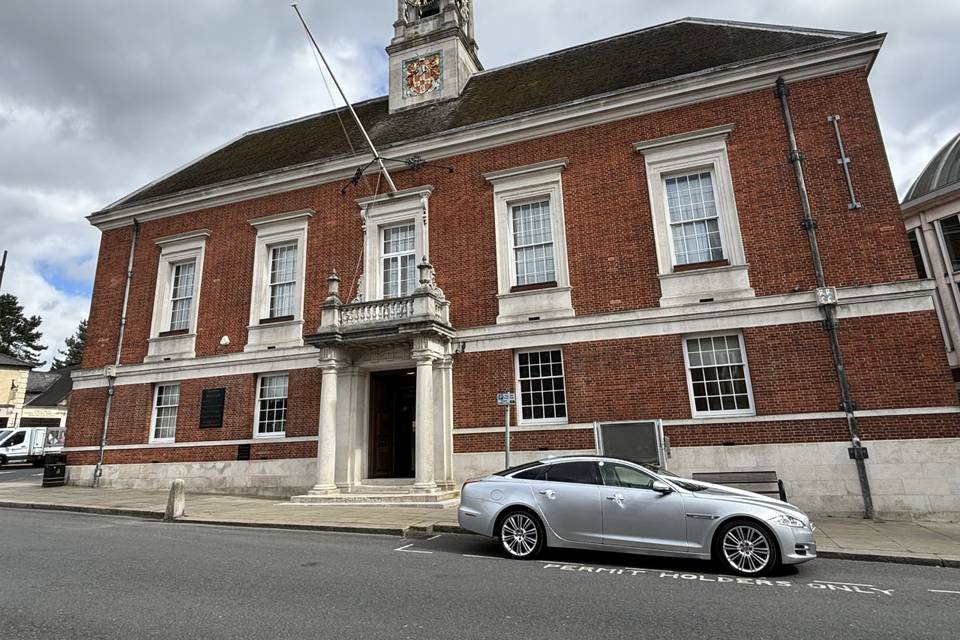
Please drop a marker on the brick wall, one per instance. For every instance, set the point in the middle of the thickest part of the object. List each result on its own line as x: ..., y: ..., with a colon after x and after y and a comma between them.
x: 608, y: 220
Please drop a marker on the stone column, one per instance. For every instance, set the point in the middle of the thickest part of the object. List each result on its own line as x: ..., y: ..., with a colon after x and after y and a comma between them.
x: 327, y: 440
x: 425, y: 436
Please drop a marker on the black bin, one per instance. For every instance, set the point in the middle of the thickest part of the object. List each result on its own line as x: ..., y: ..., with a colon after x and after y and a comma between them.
x: 55, y: 470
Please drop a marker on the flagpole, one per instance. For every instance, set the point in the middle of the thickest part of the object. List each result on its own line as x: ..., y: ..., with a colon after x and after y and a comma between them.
x: 343, y: 95
x: 3, y: 266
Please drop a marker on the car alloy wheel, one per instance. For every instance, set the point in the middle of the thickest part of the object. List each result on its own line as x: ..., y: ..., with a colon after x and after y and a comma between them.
x: 747, y: 549
x: 521, y: 535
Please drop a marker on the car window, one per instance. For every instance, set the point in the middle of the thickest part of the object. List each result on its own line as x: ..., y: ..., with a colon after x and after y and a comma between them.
x: 584, y: 472
x: 620, y: 475
x: 15, y: 439
x: 519, y: 467
x: 536, y: 473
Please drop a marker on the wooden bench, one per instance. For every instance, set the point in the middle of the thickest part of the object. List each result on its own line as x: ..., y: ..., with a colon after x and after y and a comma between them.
x: 763, y: 482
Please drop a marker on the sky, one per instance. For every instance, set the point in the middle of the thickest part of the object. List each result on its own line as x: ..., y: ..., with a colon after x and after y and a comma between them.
x: 99, y: 97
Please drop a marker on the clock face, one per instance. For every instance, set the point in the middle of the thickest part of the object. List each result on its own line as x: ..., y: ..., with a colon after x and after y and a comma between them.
x: 422, y: 75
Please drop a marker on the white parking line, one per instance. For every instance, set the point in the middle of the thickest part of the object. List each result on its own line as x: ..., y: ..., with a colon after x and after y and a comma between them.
x: 470, y: 555
x: 943, y: 591
x: 406, y: 548
x: 434, y: 537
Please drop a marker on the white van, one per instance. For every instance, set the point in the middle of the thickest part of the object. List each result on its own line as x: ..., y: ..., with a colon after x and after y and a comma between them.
x: 29, y: 444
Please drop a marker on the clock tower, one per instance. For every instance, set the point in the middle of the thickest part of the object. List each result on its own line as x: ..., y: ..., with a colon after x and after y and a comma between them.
x: 433, y: 53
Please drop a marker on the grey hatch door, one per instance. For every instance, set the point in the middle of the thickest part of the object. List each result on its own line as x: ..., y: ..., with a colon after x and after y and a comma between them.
x: 569, y: 499
x: 636, y: 516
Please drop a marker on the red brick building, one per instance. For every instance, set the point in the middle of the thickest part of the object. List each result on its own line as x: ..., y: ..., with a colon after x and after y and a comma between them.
x: 614, y: 231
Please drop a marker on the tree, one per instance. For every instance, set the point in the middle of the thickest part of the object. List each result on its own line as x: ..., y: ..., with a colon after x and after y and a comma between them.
x: 73, y: 354
x: 19, y: 335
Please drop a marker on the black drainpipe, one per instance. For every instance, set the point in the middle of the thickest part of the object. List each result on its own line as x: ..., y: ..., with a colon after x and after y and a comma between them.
x: 111, y: 371
x: 830, y: 323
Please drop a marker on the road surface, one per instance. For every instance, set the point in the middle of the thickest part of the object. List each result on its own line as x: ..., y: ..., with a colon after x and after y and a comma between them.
x: 67, y: 575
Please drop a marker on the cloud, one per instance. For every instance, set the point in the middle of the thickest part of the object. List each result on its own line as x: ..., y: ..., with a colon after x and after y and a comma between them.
x: 98, y: 99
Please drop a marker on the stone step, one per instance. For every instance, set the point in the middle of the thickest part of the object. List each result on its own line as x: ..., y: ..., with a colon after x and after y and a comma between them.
x: 440, y: 500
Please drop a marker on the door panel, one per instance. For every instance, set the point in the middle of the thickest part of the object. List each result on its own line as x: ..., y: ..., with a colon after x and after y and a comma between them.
x: 571, y: 510
x: 643, y: 518
x: 569, y: 499
x: 634, y: 515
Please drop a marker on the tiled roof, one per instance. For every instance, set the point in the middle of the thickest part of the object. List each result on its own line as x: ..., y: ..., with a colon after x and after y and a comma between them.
x: 644, y: 57
x: 7, y: 361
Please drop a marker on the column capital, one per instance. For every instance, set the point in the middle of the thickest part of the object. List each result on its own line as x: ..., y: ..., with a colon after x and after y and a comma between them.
x: 332, y: 358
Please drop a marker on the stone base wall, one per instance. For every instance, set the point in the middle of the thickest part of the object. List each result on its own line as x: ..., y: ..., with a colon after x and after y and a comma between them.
x: 268, y: 478
x: 909, y: 479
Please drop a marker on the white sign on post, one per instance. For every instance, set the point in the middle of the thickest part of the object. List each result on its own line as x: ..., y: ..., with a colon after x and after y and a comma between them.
x: 505, y: 400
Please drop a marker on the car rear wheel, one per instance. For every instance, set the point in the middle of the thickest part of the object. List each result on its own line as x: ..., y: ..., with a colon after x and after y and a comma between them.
x: 521, y: 535
x: 746, y: 548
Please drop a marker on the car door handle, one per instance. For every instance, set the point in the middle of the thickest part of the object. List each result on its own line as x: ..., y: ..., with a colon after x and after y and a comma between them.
x: 550, y: 493
x: 617, y: 497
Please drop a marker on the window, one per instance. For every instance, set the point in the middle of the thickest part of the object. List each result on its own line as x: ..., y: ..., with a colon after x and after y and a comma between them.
x: 533, y: 243
x: 399, y: 260
x: 17, y: 438
x: 718, y: 376
x: 283, y: 280
x: 913, y: 237
x: 536, y: 473
x: 700, y: 255
x: 272, y: 405
x: 181, y: 298
x: 950, y: 229
x: 620, y: 475
x: 533, y: 277
x: 694, y: 221
x: 177, y: 295
x: 542, y: 394
x: 583, y: 472
x: 165, y: 404
x: 279, y: 273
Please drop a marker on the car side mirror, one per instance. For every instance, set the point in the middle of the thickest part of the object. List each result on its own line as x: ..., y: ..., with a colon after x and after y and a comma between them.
x: 661, y: 487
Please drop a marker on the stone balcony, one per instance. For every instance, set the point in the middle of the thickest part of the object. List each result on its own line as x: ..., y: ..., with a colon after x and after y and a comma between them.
x: 424, y: 311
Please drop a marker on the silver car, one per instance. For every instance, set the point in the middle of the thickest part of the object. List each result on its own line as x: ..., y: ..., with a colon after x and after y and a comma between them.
x: 594, y: 502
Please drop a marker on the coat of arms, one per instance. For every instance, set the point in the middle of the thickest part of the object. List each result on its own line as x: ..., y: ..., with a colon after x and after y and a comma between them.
x: 422, y: 75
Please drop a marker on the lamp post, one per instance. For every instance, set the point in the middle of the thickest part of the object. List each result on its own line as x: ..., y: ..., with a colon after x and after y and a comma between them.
x: 3, y: 266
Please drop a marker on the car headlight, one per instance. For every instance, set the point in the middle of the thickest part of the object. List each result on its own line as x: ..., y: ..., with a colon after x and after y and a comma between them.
x: 789, y: 521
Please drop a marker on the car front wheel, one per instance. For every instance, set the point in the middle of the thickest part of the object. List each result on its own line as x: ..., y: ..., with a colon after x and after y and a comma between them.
x: 521, y: 535
x: 746, y: 548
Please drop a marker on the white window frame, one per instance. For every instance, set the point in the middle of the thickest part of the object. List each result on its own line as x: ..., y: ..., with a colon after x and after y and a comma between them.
x: 686, y: 173
x: 410, y: 206
x: 256, y: 408
x: 684, y: 154
x: 384, y: 257
x: 271, y: 284
x: 519, y: 394
x: 752, y: 411
x: 174, y: 250
x: 273, y: 231
x: 518, y: 186
x: 192, y: 297
x: 511, y: 206
x: 153, y: 419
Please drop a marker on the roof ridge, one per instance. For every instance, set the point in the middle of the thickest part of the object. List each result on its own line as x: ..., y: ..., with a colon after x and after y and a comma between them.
x: 688, y: 19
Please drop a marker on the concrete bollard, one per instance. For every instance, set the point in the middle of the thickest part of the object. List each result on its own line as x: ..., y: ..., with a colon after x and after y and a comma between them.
x: 175, y: 502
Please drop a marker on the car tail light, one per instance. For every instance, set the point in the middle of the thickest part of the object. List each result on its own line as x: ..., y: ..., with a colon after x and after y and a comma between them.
x: 470, y: 481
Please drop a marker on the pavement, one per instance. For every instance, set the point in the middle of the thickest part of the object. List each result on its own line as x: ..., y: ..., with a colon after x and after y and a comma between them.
x: 80, y: 576
x: 927, y: 543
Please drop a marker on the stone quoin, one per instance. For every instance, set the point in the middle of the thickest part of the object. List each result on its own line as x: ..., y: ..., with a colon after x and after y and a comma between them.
x: 619, y: 239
